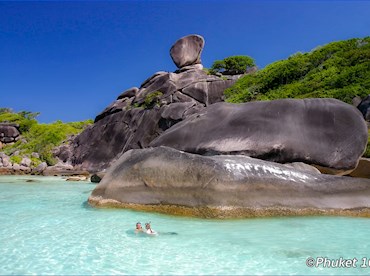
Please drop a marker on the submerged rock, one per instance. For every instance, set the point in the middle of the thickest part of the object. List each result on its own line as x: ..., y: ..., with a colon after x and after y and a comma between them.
x: 325, y: 132
x: 171, y: 181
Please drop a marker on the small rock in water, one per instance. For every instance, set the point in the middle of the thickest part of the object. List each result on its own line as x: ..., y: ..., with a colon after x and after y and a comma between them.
x: 77, y: 178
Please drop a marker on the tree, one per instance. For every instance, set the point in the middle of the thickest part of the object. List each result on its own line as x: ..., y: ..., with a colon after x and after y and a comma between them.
x: 5, y: 110
x: 233, y: 65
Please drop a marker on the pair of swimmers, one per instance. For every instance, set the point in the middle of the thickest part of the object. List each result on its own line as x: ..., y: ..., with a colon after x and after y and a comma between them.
x: 148, y: 229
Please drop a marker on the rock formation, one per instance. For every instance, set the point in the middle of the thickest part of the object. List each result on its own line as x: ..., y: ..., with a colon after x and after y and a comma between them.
x: 170, y: 181
x: 325, y: 132
x: 139, y: 115
x: 9, y: 133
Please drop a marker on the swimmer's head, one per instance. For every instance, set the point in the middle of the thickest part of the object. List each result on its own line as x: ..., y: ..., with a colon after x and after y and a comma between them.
x: 138, y: 225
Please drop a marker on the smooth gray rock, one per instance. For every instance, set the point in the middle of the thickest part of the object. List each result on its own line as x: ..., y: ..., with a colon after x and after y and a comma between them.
x: 190, y: 67
x: 163, y: 177
x: 356, y: 101
x: 40, y: 168
x: 128, y: 93
x: 5, y: 160
x: 325, y: 132
x: 302, y: 167
x: 186, y: 51
x: 8, y: 133
x: 116, y: 106
x: 35, y: 155
x: 26, y: 162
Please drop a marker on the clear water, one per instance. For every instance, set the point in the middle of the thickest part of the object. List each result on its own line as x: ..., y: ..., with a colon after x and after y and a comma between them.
x: 46, y: 227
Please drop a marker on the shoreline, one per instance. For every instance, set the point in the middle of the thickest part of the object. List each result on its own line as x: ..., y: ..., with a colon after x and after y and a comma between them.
x: 216, y: 212
x: 228, y: 212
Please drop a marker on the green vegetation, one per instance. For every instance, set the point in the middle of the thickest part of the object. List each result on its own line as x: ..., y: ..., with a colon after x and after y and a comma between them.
x: 24, y: 119
x: 338, y: 70
x: 152, y: 99
x: 40, y: 138
x: 232, y: 65
x: 15, y: 159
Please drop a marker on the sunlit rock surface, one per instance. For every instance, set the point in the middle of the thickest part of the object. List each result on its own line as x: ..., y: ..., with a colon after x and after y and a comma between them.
x: 171, y: 181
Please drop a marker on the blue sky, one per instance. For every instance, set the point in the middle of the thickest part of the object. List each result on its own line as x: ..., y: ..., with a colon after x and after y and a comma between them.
x: 69, y: 60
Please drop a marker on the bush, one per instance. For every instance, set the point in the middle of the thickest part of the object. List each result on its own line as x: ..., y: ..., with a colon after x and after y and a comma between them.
x: 15, y: 159
x: 338, y: 70
x: 152, y: 99
x: 24, y: 119
x: 232, y: 65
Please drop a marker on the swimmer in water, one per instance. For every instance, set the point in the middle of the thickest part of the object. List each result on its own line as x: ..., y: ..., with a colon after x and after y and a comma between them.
x: 149, y: 230
x: 139, y: 229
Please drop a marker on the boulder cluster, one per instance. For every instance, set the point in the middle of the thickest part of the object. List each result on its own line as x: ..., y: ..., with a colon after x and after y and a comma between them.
x: 17, y: 164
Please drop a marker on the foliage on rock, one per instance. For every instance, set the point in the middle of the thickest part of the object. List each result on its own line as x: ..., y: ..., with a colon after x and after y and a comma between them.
x: 338, y: 70
x: 152, y: 99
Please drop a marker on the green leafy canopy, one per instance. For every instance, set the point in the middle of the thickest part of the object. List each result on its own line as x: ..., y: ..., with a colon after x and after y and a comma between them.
x: 338, y: 70
x: 232, y: 65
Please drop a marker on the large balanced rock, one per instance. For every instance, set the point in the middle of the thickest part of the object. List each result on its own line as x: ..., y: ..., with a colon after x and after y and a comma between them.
x: 170, y: 181
x: 186, y: 51
x: 325, y: 132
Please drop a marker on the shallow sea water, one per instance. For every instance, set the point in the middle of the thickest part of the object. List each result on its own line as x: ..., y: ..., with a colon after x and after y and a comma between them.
x: 46, y: 227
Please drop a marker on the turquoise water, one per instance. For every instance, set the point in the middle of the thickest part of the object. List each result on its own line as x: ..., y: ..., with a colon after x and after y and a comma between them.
x: 46, y: 227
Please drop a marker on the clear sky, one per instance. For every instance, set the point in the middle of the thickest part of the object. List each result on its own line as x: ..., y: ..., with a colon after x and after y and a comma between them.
x: 69, y: 60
